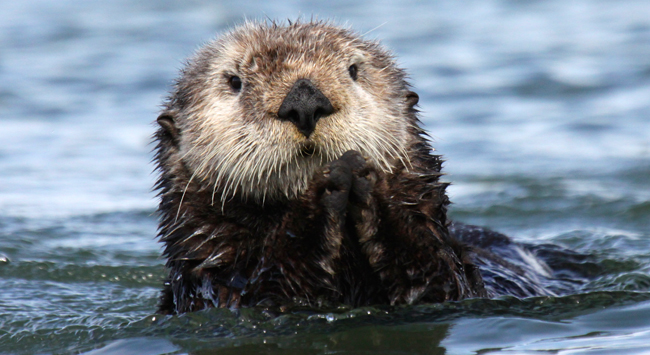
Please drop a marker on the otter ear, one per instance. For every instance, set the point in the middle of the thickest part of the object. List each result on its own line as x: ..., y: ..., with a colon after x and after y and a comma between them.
x: 166, y: 122
x: 412, y: 99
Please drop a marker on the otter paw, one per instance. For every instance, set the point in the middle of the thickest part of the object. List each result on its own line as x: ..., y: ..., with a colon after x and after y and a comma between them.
x: 338, y: 177
x: 364, y: 177
x: 354, y: 160
x: 348, y: 179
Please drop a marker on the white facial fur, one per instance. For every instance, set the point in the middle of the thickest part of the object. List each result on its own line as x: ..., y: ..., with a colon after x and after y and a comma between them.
x: 234, y: 141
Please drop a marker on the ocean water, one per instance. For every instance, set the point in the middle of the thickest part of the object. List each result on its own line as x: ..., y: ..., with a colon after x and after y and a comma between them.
x: 541, y: 109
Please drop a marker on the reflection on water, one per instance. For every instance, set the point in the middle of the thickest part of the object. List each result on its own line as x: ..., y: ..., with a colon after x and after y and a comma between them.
x: 539, y: 107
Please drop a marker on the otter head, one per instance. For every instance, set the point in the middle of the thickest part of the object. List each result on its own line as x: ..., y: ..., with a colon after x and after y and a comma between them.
x: 256, y: 112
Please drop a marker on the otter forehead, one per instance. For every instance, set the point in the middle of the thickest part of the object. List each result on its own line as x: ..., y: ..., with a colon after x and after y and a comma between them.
x: 278, y: 55
x: 272, y: 48
x: 263, y: 106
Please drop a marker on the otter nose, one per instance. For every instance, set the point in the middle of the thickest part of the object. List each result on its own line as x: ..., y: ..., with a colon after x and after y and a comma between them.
x: 304, y: 105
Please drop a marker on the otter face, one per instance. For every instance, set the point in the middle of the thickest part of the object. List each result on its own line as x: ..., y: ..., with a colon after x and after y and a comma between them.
x: 260, y: 109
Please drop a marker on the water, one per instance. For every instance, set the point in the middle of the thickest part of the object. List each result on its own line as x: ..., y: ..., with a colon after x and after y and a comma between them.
x: 540, y: 108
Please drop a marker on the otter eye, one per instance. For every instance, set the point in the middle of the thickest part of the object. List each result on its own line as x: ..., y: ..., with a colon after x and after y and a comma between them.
x: 353, y: 69
x: 235, y: 82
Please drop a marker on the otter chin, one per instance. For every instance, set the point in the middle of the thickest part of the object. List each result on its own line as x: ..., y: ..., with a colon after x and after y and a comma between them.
x: 294, y: 170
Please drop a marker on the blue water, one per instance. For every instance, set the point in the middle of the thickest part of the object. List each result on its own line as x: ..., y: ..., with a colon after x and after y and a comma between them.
x: 541, y: 109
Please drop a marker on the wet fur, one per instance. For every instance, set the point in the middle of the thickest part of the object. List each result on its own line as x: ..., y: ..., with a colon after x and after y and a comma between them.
x: 247, y: 219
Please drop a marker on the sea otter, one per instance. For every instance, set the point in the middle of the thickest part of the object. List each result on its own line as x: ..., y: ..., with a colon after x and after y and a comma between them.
x: 294, y: 170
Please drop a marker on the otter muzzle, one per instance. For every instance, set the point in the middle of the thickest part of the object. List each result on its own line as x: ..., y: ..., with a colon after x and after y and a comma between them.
x: 304, y: 105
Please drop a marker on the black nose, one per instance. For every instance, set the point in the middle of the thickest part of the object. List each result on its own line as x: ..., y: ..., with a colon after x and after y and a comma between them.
x: 304, y: 105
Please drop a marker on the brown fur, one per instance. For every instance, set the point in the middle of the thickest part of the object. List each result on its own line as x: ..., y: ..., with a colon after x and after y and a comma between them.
x: 248, y: 218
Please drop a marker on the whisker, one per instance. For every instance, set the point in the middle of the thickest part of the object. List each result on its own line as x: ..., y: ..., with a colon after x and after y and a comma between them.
x: 183, y: 196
